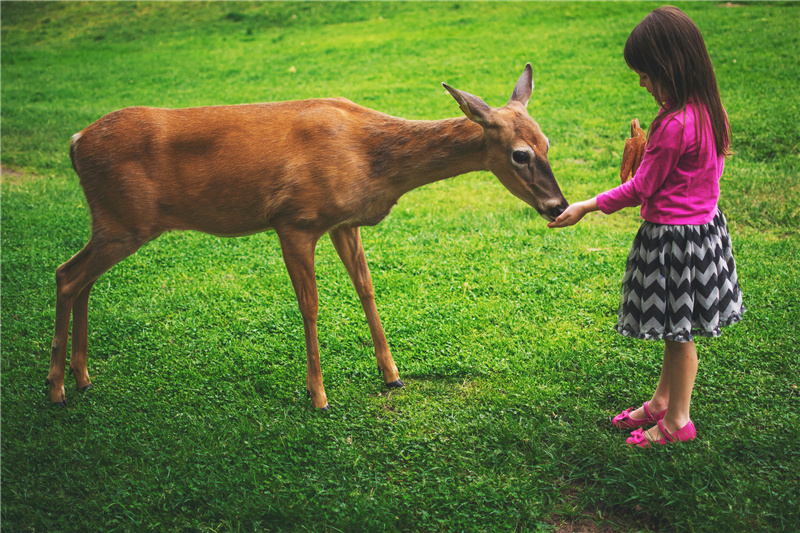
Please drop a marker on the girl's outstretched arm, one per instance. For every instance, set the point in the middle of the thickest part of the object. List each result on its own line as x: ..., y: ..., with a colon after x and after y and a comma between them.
x: 574, y: 213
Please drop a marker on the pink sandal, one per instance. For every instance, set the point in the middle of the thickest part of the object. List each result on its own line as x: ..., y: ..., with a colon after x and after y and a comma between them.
x: 624, y: 420
x: 684, y: 434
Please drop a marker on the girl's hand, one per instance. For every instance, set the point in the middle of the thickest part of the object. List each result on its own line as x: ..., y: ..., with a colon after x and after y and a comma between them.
x: 574, y: 213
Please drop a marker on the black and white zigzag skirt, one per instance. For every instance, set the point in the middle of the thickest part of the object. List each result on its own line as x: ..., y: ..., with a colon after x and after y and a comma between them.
x: 680, y: 281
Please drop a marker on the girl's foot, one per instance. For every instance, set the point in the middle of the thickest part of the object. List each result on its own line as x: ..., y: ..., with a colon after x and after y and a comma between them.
x: 659, y: 434
x: 653, y: 408
x: 630, y: 419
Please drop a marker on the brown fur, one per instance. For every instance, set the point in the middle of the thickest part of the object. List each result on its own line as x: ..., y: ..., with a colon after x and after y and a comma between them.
x: 302, y: 168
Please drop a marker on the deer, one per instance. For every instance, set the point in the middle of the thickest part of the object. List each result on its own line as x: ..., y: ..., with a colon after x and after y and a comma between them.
x: 302, y: 168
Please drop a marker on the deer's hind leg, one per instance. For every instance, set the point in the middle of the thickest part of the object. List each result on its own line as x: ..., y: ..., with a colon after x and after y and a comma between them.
x: 80, y: 333
x: 347, y: 242
x: 74, y: 280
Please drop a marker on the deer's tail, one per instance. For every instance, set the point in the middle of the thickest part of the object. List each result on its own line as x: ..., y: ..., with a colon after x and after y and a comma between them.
x: 73, y: 147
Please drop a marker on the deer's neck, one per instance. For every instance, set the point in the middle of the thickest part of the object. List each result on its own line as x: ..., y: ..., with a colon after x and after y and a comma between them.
x: 409, y: 154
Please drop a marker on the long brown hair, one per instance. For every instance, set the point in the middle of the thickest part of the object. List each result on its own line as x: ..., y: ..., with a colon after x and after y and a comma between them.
x: 668, y: 46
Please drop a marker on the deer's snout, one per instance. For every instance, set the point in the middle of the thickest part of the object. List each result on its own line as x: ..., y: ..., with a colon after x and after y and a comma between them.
x: 557, y: 210
x: 551, y: 213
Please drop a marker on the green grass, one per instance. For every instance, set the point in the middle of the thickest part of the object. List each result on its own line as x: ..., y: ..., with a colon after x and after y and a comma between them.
x: 502, y: 329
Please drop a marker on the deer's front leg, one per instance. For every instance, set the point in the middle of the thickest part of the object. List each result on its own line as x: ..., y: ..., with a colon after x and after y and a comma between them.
x: 347, y: 242
x: 298, y: 254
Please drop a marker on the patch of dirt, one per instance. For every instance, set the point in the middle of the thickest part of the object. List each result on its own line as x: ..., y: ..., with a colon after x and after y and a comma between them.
x: 12, y: 177
x: 592, y: 520
x: 583, y: 526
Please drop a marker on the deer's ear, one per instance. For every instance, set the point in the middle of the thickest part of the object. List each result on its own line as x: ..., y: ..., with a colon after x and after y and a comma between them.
x: 524, y: 88
x: 473, y: 107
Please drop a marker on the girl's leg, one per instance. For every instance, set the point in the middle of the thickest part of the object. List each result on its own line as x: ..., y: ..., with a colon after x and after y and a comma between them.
x: 660, y: 399
x: 680, y: 362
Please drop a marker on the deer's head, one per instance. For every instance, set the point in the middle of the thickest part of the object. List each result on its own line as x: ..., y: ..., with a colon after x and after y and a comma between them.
x: 516, y: 147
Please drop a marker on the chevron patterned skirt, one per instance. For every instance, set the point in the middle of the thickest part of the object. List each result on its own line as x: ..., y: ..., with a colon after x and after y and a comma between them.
x: 680, y: 281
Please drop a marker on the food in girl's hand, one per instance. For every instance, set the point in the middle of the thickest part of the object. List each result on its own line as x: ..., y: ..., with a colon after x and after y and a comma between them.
x: 634, y: 151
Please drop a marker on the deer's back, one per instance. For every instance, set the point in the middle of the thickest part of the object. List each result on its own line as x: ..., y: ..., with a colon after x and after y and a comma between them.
x: 229, y: 169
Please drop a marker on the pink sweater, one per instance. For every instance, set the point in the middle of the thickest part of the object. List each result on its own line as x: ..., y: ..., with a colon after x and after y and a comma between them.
x: 678, y: 180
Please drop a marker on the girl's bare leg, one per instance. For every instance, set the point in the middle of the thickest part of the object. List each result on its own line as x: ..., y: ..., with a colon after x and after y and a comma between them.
x: 680, y: 362
x: 660, y: 399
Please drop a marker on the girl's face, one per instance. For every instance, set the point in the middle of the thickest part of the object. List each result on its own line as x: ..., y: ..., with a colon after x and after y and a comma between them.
x: 647, y: 83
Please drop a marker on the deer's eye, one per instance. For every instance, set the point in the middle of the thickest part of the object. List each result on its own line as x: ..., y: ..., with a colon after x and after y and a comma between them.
x: 520, y: 156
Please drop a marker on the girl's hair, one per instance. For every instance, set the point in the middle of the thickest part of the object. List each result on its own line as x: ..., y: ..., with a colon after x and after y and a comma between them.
x: 668, y: 46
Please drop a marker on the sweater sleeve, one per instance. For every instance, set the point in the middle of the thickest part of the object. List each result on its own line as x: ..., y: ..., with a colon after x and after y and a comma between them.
x: 660, y: 158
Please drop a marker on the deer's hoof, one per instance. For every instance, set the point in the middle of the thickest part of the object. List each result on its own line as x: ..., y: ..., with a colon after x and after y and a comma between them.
x: 62, y: 403
x: 396, y: 384
x: 87, y: 387
x: 326, y: 407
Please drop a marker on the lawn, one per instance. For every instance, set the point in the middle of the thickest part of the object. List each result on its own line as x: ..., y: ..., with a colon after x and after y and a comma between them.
x: 502, y: 329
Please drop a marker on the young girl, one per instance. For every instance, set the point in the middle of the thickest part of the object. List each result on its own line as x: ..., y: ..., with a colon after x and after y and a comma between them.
x: 680, y: 278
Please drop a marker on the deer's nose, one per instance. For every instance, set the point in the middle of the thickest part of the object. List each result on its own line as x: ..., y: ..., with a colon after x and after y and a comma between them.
x: 555, y: 211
